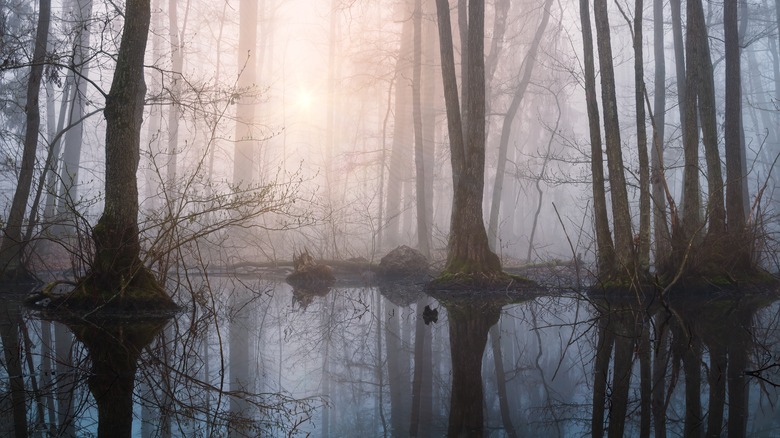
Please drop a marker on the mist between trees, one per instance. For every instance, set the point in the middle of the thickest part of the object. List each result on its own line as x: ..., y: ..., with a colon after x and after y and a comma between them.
x: 637, y: 138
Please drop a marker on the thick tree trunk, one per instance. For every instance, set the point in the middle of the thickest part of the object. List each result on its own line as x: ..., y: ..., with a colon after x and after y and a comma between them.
x: 117, y: 266
x: 733, y: 138
x: 624, y: 249
x: 12, y: 246
x: 605, y: 251
x: 691, y: 194
x: 468, y: 250
x: 643, y: 251
x: 707, y: 115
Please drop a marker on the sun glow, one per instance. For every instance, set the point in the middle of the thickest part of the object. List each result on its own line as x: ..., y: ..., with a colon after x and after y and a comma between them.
x: 304, y: 99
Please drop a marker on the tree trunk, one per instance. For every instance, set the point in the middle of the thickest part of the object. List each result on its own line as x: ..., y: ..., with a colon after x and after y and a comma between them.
x: 605, y: 251
x: 423, y: 227
x: 707, y: 115
x: 641, y: 142
x: 624, y: 249
x: 691, y: 198
x: 679, y: 64
x: 402, y: 137
x: 733, y: 138
x: 244, y: 155
x: 660, y: 224
x: 428, y: 97
x: 468, y: 250
x: 117, y: 264
x: 177, y: 63
x: 71, y: 154
x: 12, y: 246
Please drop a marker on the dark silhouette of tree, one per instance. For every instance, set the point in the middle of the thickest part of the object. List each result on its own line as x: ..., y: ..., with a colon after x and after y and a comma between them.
x: 625, y: 262
x: 115, y: 348
x: 605, y: 247
x: 117, y: 270
x: 733, y: 138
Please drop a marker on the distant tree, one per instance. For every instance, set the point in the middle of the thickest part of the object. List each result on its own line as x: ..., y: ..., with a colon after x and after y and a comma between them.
x: 12, y: 246
x: 71, y: 154
x: 423, y: 226
x: 402, y: 135
x: 244, y: 152
x: 174, y: 110
x: 526, y: 70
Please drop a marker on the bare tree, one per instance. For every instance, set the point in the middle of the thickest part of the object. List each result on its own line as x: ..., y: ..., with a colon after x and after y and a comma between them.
x: 117, y: 266
x: 605, y: 249
x: 12, y: 246
x: 423, y: 227
x: 468, y: 249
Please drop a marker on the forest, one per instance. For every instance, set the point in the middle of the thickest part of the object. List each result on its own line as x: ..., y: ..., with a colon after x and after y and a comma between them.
x: 201, y: 201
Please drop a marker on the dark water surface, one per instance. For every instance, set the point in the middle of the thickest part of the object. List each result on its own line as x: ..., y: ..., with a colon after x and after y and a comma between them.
x: 255, y: 358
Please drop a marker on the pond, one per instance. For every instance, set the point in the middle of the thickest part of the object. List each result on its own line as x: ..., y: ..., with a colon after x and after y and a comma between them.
x: 251, y: 357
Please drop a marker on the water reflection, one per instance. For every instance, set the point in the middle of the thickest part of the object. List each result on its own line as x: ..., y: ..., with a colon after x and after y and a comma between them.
x: 691, y: 357
x: 469, y: 323
x: 113, y: 348
x: 255, y: 358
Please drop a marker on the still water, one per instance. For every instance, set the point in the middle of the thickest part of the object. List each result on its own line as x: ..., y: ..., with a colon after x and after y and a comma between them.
x: 250, y: 357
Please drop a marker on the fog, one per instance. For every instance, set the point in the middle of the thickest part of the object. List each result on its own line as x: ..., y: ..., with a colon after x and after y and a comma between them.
x: 316, y: 99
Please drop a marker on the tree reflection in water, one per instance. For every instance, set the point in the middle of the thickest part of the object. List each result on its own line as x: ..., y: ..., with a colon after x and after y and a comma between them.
x: 702, y: 343
x: 253, y: 358
x: 113, y: 348
x: 470, y: 322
